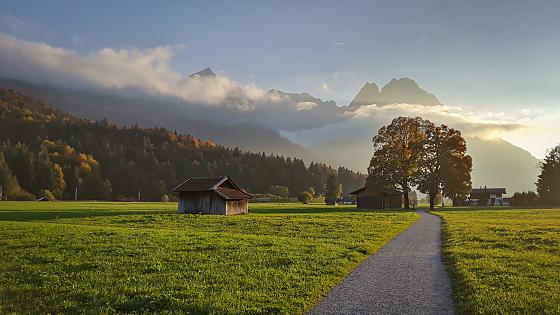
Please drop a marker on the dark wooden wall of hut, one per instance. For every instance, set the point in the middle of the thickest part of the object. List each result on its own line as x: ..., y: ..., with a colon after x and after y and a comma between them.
x: 201, y: 202
x: 367, y: 200
x: 393, y: 202
x: 377, y: 200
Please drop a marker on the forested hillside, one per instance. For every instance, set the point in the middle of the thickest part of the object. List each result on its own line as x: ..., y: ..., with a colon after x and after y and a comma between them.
x: 46, y: 151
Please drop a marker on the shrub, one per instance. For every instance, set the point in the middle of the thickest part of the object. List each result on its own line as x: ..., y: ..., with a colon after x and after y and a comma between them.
x: 280, y: 191
x: 525, y: 199
x: 165, y: 198
x: 20, y: 194
x: 304, y: 197
x: 48, y: 194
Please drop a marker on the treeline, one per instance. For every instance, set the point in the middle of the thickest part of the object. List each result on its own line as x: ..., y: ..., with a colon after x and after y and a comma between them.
x: 45, y: 152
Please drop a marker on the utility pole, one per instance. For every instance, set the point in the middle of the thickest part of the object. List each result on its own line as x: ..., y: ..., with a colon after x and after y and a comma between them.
x: 76, y: 194
x: 138, y: 194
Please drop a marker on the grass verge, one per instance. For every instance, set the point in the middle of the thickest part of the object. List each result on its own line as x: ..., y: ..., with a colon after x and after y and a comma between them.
x: 503, y: 261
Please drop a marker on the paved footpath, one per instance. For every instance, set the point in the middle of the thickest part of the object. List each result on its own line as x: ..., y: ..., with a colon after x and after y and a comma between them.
x: 406, y: 276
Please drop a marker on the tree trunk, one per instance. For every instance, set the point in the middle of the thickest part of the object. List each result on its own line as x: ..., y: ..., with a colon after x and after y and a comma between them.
x: 432, y: 201
x: 405, y: 195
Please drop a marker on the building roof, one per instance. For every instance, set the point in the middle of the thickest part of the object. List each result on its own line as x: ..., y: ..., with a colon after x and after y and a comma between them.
x: 357, y: 191
x: 201, y: 184
x: 232, y: 194
x: 388, y: 191
x: 488, y: 191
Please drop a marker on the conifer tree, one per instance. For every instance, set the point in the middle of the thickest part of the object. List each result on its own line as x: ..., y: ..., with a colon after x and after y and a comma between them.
x: 548, y: 182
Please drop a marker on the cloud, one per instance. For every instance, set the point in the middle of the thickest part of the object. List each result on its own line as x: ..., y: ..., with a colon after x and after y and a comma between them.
x: 305, y: 106
x: 147, y: 70
x: 542, y: 132
x: 325, y: 88
x: 135, y: 71
x: 11, y: 22
x: 479, y: 124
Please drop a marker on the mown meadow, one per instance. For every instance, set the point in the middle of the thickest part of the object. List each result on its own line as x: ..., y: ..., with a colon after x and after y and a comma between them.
x: 503, y: 261
x: 86, y: 257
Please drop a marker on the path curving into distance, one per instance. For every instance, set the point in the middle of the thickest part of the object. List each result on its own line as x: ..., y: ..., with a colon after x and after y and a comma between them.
x: 406, y: 276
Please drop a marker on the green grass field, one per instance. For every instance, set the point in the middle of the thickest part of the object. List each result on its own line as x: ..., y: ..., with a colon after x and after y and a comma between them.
x: 504, y: 261
x: 87, y: 257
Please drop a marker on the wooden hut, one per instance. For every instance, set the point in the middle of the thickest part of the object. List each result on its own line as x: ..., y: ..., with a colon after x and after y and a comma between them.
x: 382, y: 198
x: 212, y: 195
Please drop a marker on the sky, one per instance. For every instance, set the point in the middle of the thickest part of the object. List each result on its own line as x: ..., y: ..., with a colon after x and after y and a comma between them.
x: 499, y: 58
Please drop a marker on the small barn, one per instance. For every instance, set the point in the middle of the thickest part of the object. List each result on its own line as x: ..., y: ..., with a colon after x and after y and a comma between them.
x: 212, y: 195
x: 382, y: 198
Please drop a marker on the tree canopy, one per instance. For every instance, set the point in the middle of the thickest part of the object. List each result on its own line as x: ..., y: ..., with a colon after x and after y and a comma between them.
x: 445, y: 167
x: 415, y: 152
x: 333, y: 190
x: 398, y: 155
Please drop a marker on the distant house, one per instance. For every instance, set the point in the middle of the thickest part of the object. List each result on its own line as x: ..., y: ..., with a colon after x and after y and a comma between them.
x: 212, y: 195
x: 383, y: 198
x: 492, y: 196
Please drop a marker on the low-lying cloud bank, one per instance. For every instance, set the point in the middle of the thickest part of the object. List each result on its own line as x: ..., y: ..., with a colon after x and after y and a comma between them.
x: 488, y: 125
x: 147, y: 70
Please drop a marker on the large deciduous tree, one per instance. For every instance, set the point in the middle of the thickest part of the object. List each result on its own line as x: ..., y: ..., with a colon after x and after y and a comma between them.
x: 414, y: 151
x: 445, y: 166
x: 397, y: 159
x: 548, y: 183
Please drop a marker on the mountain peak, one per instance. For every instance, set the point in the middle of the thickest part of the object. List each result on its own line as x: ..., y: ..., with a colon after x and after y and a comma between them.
x: 402, y: 90
x: 406, y: 90
x: 205, y: 73
x: 402, y: 83
x: 366, y: 96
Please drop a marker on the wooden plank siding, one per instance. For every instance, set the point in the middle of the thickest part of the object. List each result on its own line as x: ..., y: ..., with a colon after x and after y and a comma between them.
x: 377, y: 200
x: 202, y: 202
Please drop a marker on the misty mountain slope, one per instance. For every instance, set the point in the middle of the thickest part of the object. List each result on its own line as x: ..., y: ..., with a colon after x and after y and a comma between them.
x: 495, y: 162
x: 499, y: 163
x: 149, y: 112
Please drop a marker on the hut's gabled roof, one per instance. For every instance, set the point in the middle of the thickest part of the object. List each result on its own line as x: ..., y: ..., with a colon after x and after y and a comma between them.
x: 232, y: 194
x: 202, y: 183
x: 488, y: 190
x: 216, y: 184
x: 386, y: 190
x: 357, y: 191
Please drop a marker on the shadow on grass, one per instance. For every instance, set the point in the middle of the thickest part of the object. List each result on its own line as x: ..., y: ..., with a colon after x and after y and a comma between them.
x: 308, y: 210
x: 52, y: 215
x: 31, y: 215
x: 491, y: 208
